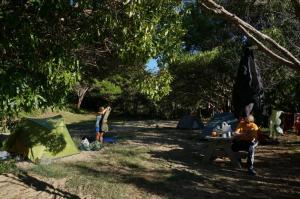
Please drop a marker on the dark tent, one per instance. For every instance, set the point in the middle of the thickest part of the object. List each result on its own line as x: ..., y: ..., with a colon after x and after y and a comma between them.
x: 217, y: 120
x: 248, y: 89
x: 189, y: 122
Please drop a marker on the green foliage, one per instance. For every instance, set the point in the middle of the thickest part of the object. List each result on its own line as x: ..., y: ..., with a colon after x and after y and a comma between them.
x: 8, y: 166
x: 131, y: 33
x: 38, y: 69
x: 107, y: 89
x: 150, y: 29
x: 205, y: 32
x: 205, y: 58
x: 276, y: 20
x: 201, y: 78
x: 276, y: 34
x: 286, y: 94
x: 156, y: 86
x: 43, y: 43
x: 119, y: 37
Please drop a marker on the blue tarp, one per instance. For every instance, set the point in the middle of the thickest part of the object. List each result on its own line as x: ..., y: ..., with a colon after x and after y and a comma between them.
x: 217, y: 121
x: 109, y: 140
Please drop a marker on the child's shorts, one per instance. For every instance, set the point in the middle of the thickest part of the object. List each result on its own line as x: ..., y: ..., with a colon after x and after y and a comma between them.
x: 98, y: 129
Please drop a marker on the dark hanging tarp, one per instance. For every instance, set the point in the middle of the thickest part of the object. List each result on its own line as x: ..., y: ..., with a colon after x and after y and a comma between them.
x: 248, y: 87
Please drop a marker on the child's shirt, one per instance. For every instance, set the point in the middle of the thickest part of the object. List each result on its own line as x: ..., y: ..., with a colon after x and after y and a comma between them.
x: 98, y: 120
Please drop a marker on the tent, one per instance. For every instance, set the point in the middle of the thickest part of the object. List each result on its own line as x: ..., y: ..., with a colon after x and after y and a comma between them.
x: 189, y: 122
x: 217, y: 120
x: 38, y: 139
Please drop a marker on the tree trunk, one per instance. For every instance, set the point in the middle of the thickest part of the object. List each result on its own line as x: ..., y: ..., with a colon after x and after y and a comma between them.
x: 81, y: 94
x: 296, y: 4
x: 289, y: 59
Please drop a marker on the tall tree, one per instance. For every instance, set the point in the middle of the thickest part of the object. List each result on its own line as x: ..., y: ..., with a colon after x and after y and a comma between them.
x: 207, y: 31
x: 46, y: 46
x: 202, y: 78
x: 37, y: 66
x: 122, y: 35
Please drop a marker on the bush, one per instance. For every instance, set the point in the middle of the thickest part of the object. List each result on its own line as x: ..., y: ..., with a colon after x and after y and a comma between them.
x: 8, y: 166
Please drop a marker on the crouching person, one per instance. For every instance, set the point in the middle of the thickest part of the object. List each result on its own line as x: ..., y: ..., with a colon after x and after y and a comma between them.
x: 245, y: 139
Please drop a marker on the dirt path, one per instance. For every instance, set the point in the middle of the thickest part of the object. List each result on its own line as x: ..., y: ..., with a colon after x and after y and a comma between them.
x: 28, y: 186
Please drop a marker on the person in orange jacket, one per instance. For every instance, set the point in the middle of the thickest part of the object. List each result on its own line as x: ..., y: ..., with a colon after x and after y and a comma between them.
x: 245, y: 139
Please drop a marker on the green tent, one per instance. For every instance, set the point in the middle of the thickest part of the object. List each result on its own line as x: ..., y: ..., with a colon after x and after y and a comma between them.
x: 39, y: 139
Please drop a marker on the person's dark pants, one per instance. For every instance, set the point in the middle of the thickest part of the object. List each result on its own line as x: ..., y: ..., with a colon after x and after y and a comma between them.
x: 248, y: 147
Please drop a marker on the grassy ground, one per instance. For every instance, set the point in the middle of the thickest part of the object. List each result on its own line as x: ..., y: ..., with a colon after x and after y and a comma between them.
x: 152, y: 161
x: 8, y: 166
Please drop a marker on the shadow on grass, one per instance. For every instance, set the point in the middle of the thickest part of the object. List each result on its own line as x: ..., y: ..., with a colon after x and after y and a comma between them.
x: 278, y: 175
x: 176, y: 184
x: 39, y: 185
x: 87, y: 129
x: 278, y: 172
x: 212, y: 182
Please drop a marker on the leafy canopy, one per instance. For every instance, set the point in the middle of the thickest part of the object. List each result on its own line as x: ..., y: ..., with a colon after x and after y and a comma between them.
x: 37, y: 69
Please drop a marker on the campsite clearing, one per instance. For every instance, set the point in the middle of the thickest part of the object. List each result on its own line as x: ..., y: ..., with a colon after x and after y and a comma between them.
x: 153, y: 159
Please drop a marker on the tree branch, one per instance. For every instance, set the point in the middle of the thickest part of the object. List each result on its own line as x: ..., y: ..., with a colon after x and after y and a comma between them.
x: 290, y: 60
x: 267, y: 50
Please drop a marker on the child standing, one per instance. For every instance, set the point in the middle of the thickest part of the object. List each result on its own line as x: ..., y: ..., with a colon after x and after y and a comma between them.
x: 99, y: 118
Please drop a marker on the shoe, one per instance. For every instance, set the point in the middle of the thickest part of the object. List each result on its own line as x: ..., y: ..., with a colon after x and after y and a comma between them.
x: 251, y: 172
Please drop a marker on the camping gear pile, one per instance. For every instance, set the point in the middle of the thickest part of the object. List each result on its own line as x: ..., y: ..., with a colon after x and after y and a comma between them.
x: 85, y: 145
x: 224, y: 131
x: 222, y: 124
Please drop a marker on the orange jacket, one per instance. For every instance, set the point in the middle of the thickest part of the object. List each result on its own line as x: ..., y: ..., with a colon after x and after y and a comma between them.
x: 247, y: 131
